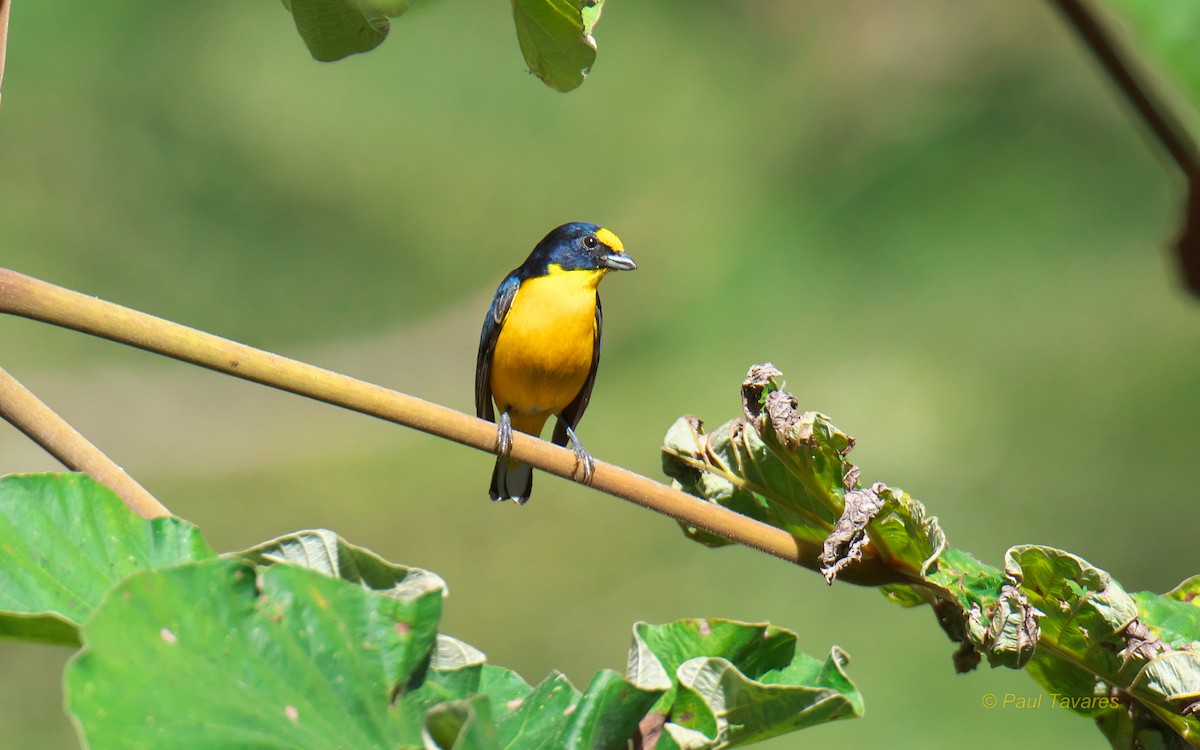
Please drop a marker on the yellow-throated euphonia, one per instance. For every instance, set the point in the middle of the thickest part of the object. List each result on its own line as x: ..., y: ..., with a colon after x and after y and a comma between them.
x: 540, y: 346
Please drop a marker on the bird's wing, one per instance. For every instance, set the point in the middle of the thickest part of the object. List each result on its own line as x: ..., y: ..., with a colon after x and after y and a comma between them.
x: 574, y: 412
x: 487, y: 345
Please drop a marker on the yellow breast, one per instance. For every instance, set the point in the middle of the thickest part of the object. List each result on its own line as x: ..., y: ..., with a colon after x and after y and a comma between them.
x: 544, y: 351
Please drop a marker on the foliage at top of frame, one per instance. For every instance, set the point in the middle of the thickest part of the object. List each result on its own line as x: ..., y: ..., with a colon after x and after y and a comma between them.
x: 555, y: 35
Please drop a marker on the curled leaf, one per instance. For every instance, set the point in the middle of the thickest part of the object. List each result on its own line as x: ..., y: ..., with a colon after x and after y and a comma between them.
x: 1013, y: 631
x: 736, y: 683
x: 326, y: 552
x: 760, y: 380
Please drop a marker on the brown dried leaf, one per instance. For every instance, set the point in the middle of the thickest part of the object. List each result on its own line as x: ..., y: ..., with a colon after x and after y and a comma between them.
x: 1140, y: 643
x: 844, y: 544
x: 758, y: 380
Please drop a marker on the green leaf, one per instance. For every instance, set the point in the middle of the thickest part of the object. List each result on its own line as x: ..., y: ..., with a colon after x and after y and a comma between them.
x: 684, y: 453
x: 288, y: 658
x: 732, y: 466
x: 663, y: 649
x: 909, y: 534
x: 556, y: 39
x: 746, y: 681
x: 308, y: 641
x: 1083, y: 604
x: 1094, y: 640
x: 550, y: 716
x: 530, y: 717
x: 334, y: 29
x: 737, y: 683
x: 65, y: 539
x: 717, y: 700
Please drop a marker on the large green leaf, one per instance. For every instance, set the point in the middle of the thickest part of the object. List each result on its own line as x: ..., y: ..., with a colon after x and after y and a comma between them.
x: 333, y: 29
x: 282, y: 657
x: 65, y: 539
x: 307, y: 641
x: 556, y: 39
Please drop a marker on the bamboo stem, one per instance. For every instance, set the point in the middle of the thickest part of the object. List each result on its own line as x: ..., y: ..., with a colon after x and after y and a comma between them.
x: 46, y: 428
x: 38, y: 300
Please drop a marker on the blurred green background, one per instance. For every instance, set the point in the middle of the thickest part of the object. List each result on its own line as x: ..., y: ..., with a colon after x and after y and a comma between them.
x: 933, y: 216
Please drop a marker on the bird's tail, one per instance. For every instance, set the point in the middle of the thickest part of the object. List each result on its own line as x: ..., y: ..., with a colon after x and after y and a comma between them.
x: 511, y: 480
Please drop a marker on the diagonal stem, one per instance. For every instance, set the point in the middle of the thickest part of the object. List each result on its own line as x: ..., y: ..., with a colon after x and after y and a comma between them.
x: 46, y: 428
x: 38, y: 300
x: 1150, y: 107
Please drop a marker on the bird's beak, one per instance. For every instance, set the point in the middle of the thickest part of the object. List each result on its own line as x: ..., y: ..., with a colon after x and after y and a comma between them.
x: 619, y: 262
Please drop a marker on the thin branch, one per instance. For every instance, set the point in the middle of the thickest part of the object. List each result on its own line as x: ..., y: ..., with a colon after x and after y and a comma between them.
x: 1150, y: 107
x: 29, y: 415
x: 4, y: 8
x: 38, y: 300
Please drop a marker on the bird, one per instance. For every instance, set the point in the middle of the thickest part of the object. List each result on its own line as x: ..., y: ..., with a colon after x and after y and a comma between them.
x: 540, y: 347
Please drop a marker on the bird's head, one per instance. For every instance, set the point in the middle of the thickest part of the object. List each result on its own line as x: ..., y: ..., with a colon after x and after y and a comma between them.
x: 579, y: 246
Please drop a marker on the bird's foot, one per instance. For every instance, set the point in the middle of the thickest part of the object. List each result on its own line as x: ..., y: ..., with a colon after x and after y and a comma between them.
x: 504, y: 436
x: 585, y: 465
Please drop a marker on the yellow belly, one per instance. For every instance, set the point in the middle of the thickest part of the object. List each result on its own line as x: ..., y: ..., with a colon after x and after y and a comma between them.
x: 544, y: 351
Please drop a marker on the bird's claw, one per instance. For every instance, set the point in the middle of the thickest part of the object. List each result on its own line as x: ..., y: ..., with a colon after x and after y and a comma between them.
x: 585, y: 465
x: 504, y: 436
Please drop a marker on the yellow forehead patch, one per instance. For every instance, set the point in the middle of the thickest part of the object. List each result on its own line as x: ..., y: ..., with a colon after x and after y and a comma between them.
x: 610, y: 239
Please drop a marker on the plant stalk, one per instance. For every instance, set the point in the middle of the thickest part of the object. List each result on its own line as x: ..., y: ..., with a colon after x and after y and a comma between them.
x: 20, y: 407
x: 28, y: 297
x: 1166, y: 127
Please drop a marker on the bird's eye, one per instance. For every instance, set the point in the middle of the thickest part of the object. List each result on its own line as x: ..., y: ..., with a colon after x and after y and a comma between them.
x: 590, y: 241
